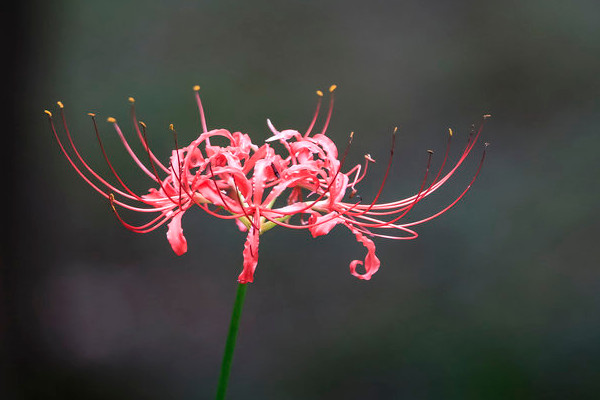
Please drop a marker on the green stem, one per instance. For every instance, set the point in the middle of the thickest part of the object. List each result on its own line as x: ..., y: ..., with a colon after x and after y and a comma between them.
x: 231, y: 338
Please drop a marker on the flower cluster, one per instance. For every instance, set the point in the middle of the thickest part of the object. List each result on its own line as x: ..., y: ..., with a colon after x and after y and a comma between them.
x: 229, y: 177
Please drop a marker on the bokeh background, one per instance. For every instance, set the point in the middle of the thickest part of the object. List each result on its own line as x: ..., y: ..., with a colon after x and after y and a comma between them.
x: 497, y: 299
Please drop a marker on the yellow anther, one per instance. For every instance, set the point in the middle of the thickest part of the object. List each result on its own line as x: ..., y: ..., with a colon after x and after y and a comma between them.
x: 395, y: 130
x: 131, y: 100
x: 91, y: 114
x: 351, y: 135
x: 319, y: 93
x: 48, y: 112
x: 171, y: 127
x: 111, y: 120
x: 143, y: 124
x: 450, y: 131
x: 111, y: 199
x: 332, y: 88
x: 196, y: 88
x: 60, y: 104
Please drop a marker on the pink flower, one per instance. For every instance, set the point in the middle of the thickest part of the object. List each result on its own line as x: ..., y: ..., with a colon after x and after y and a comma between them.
x: 305, y: 188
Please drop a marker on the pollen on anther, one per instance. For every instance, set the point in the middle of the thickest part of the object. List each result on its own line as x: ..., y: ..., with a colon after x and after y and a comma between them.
x: 111, y: 198
x: 131, y: 100
x: 143, y: 124
x: 332, y: 88
x: 319, y: 93
x: 171, y: 127
x: 111, y: 120
x: 48, y: 112
x: 60, y: 104
x: 91, y: 114
x: 196, y: 88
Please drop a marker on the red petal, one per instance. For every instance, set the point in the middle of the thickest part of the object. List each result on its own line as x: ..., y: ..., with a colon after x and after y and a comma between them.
x: 325, y: 223
x: 371, y: 263
x: 175, y: 235
x: 250, y: 256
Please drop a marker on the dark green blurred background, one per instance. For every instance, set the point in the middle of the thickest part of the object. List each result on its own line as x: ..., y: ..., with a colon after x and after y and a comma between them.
x: 497, y: 299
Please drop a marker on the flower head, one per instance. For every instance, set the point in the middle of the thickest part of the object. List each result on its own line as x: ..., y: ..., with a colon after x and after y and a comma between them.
x: 229, y: 177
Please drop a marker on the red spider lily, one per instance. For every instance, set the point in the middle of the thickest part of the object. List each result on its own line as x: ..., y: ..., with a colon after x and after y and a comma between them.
x: 246, y: 183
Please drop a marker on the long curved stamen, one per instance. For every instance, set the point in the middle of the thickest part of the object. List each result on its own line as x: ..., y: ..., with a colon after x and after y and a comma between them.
x: 80, y: 158
x: 114, y: 172
x: 445, y: 178
x: 357, y: 169
x: 417, y: 198
x: 316, y: 115
x: 69, y: 159
x: 139, y: 134
x: 200, y: 109
x: 134, y: 157
x: 413, y: 234
x: 437, y: 176
x: 457, y: 199
x: 387, y: 171
x: 429, y: 190
x: 156, y: 177
x: 358, y: 178
x: 85, y: 178
x: 473, y: 137
x: 145, y: 228
x: 330, y: 111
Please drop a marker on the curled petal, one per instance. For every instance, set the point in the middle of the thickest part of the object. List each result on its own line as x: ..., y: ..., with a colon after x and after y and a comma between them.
x: 175, y: 235
x: 259, y: 179
x: 284, y: 135
x: 242, y: 143
x: 262, y: 152
x: 337, y: 189
x: 305, y: 149
x: 323, y: 223
x: 193, y: 157
x: 326, y: 144
x: 371, y: 263
x: 250, y: 256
